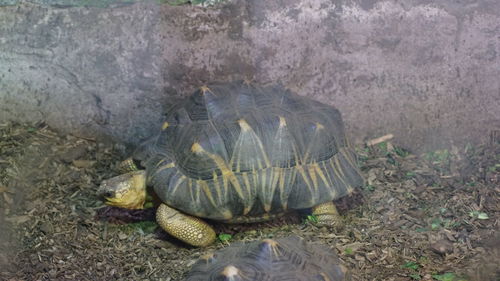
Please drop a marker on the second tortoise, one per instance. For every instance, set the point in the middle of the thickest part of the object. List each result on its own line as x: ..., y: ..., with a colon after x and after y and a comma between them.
x: 237, y: 152
x: 289, y: 258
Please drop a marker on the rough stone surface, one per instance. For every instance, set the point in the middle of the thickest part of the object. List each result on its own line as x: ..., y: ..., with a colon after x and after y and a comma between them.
x: 425, y: 72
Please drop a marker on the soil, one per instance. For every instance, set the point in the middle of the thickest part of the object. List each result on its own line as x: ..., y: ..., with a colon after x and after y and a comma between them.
x: 420, y: 217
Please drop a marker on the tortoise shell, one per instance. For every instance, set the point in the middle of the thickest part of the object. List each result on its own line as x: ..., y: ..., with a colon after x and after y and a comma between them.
x: 237, y: 150
x: 289, y: 258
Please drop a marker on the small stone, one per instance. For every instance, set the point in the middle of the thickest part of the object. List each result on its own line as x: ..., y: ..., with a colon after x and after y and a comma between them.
x: 122, y: 236
x: 73, y: 153
x: 359, y: 258
x: 53, y: 273
x: 47, y: 228
x: 442, y: 247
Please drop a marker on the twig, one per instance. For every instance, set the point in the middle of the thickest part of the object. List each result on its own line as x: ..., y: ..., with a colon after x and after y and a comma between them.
x: 379, y: 140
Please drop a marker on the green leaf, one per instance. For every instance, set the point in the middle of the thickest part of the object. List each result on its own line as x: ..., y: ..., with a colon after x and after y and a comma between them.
x: 348, y: 251
x: 148, y: 227
x: 416, y: 276
x: 392, y: 161
x: 482, y: 216
x: 411, y: 265
x: 471, y: 184
x: 435, y: 224
x: 224, y: 237
x: 370, y: 187
x: 143, y: 227
x: 383, y: 146
x: 438, y: 156
x: 148, y: 205
x: 312, y: 218
x: 479, y: 215
x: 410, y: 174
x: 446, y: 277
x: 401, y: 152
x: 447, y: 223
x: 494, y: 168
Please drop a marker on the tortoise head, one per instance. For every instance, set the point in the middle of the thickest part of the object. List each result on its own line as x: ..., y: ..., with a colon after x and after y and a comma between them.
x: 125, y: 191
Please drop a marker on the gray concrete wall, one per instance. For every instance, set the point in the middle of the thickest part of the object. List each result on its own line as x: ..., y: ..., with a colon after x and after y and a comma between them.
x: 428, y: 73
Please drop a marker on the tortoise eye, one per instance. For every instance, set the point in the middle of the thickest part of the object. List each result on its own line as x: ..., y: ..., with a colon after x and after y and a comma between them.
x: 107, y: 194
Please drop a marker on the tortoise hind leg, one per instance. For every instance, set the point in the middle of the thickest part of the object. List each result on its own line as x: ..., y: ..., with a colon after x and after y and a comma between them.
x: 327, y: 215
x: 184, y: 227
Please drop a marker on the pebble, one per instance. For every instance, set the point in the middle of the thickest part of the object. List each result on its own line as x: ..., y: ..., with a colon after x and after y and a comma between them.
x: 47, y: 227
x: 442, y: 247
x: 73, y: 153
x: 122, y: 236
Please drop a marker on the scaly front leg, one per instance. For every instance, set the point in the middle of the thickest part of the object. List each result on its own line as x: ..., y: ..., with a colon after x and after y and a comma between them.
x: 191, y: 230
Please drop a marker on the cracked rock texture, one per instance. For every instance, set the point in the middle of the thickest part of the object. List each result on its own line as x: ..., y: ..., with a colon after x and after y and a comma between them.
x: 428, y: 73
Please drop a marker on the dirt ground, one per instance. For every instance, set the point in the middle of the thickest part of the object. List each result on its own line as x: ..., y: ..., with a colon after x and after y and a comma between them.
x: 428, y: 217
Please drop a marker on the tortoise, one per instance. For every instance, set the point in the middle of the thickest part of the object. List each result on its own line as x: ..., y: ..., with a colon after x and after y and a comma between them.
x: 237, y: 153
x: 289, y: 258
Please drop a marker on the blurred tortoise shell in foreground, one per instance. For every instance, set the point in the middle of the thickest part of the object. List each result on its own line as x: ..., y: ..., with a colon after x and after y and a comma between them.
x: 289, y: 258
x: 236, y: 152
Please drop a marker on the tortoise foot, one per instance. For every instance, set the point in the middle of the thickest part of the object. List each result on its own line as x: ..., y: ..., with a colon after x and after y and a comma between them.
x: 327, y: 215
x: 186, y: 228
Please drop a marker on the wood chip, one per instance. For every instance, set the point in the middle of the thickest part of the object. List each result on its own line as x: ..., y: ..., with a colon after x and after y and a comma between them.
x: 83, y: 163
x: 18, y: 219
x: 379, y: 140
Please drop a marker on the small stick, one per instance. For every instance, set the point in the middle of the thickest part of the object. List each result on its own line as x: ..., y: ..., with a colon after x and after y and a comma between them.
x: 379, y: 140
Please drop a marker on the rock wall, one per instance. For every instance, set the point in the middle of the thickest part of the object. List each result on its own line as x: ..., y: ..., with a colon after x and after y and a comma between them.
x: 425, y: 72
